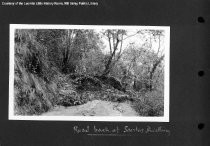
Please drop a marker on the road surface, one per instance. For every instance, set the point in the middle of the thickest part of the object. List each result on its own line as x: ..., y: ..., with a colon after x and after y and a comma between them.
x: 94, y: 108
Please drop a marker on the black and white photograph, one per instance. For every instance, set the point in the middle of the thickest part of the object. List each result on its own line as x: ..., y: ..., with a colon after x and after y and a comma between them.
x: 89, y: 73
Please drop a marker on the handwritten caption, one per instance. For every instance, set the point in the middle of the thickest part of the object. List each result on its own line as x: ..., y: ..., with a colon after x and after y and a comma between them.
x: 120, y: 131
x: 67, y: 3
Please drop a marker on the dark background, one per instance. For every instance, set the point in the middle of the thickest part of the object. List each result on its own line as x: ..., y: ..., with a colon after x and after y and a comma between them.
x: 189, y: 71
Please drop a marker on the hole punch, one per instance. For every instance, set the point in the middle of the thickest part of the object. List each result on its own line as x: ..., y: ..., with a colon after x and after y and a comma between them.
x: 201, y: 20
x: 201, y: 126
x: 201, y: 73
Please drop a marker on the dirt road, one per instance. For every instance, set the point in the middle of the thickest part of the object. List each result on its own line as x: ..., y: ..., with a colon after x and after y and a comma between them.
x: 94, y: 108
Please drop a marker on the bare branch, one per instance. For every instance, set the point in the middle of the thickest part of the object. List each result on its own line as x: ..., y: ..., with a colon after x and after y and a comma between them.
x: 120, y: 52
x: 109, y: 39
x: 158, y: 44
x: 132, y: 35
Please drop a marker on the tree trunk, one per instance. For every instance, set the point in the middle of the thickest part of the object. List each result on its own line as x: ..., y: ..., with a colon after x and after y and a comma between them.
x: 108, y: 65
x: 153, y: 71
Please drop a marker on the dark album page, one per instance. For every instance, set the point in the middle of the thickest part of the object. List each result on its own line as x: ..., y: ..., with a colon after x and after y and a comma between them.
x: 104, y: 72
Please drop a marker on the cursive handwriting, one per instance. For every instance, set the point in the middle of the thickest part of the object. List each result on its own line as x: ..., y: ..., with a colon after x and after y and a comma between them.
x: 159, y: 129
x: 117, y: 131
x: 78, y: 129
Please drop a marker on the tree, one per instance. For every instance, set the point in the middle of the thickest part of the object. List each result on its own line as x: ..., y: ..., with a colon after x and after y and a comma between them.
x: 157, y: 34
x: 143, y: 61
x: 92, y: 56
x: 115, y: 39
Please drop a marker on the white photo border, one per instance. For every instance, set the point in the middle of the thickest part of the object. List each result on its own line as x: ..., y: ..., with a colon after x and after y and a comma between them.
x: 12, y: 116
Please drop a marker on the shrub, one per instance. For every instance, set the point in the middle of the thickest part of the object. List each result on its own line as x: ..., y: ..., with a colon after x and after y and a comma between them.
x: 150, y: 104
